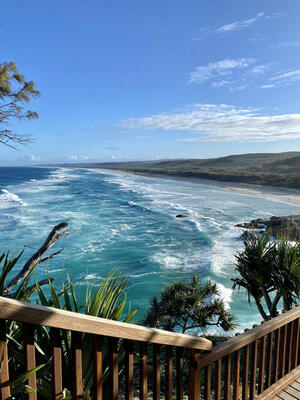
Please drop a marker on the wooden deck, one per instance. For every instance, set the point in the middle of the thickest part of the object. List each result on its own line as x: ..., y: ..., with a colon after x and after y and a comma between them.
x: 287, y: 388
x: 292, y: 392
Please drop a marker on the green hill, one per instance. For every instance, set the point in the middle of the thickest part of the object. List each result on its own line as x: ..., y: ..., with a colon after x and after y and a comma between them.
x: 272, y: 169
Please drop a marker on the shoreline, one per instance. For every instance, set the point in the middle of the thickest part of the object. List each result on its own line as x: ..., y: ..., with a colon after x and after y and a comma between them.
x: 279, y: 192
x: 261, y: 191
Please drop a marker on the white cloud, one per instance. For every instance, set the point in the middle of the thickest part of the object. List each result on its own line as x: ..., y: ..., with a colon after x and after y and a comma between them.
x: 243, y: 73
x: 143, y: 137
x: 287, y: 77
x: 284, y: 44
x: 76, y: 157
x: 239, y: 24
x: 112, y: 148
x: 220, y: 123
x: 220, y: 83
x: 33, y: 157
x: 260, y: 69
x: 266, y: 86
x: 219, y: 68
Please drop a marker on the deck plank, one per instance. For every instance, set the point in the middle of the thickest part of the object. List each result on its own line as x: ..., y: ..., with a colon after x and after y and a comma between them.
x: 296, y: 385
x: 279, y: 390
x: 285, y: 396
x: 293, y: 392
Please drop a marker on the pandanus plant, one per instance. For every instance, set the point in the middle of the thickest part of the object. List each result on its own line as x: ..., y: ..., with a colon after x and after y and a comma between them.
x: 109, y: 300
x: 269, y: 270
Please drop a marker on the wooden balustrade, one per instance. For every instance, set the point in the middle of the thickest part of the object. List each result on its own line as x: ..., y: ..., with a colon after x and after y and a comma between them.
x: 134, y: 361
x: 134, y: 349
x: 248, y: 364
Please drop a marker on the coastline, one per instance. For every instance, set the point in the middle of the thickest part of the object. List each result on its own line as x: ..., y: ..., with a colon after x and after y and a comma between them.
x: 266, y: 191
x: 277, y: 192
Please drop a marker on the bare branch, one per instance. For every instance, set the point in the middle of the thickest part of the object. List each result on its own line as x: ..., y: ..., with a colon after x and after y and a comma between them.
x: 31, y: 288
x: 37, y: 257
x: 52, y: 255
x: 40, y: 283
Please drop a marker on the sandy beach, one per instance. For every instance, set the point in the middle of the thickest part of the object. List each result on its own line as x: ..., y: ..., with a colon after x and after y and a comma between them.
x: 266, y: 192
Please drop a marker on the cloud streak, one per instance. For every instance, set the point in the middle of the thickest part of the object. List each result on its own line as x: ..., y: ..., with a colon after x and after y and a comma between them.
x: 285, y: 44
x: 221, y: 123
x: 238, y: 25
x: 287, y: 77
x: 243, y: 73
x: 78, y: 157
x: 234, y: 26
x: 219, y: 69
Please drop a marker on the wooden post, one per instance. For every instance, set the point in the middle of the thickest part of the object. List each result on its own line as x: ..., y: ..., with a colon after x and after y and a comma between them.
x: 262, y: 357
x: 179, y: 373
x: 227, y: 374
x: 218, y: 378
x: 4, y: 373
x: 97, y: 367
x: 77, y: 365
x: 253, y: 370
x: 269, y: 359
x: 245, y: 373
x: 276, y: 355
x: 289, y: 346
x: 168, y: 373
x: 283, y: 350
x: 30, y: 363
x: 114, y: 369
x: 295, y: 343
x: 194, y: 376
x: 143, y: 371
x: 57, y: 385
x: 156, y: 372
x: 207, y: 382
x: 128, y: 370
x: 236, y: 375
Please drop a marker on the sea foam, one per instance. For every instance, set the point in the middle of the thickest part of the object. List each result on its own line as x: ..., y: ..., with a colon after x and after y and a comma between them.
x: 8, y: 200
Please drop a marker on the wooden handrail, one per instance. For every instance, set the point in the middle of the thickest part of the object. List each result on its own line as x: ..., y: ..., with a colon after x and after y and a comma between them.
x: 54, y: 318
x: 237, y: 342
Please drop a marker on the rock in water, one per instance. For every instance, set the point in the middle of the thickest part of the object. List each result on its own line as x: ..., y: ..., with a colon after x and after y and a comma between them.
x: 288, y: 226
x: 181, y: 216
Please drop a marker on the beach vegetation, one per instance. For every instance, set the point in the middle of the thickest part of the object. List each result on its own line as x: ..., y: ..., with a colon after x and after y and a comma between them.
x: 269, y: 270
x: 15, y: 91
x: 108, y: 300
x: 272, y: 169
x: 189, y: 306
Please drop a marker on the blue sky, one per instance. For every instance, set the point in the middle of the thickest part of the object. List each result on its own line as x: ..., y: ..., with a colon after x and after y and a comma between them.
x: 155, y: 79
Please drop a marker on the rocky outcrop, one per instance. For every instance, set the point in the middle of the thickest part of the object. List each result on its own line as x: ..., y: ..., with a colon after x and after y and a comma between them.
x: 288, y: 227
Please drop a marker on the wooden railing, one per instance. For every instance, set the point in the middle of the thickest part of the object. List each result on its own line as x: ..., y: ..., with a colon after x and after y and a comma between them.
x: 156, y: 363
x: 169, y: 343
x: 246, y: 365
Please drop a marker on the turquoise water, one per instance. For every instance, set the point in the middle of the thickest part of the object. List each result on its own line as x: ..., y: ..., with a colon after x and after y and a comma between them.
x: 129, y: 222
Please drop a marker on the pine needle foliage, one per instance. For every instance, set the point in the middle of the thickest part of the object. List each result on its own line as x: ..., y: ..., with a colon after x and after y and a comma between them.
x: 189, y: 306
x: 15, y: 91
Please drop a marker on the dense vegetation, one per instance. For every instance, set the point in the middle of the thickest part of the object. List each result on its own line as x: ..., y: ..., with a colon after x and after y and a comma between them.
x: 270, y: 272
x: 109, y: 300
x: 273, y: 169
x: 189, y: 306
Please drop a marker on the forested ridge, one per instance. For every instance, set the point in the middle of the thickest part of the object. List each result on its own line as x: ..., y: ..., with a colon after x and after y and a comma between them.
x: 272, y: 169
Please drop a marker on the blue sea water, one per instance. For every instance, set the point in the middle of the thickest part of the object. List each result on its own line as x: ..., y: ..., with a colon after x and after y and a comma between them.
x: 129, y: 223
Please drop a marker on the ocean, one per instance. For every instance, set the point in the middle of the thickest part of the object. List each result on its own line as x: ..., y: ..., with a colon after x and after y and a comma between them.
x: 128, y: 223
